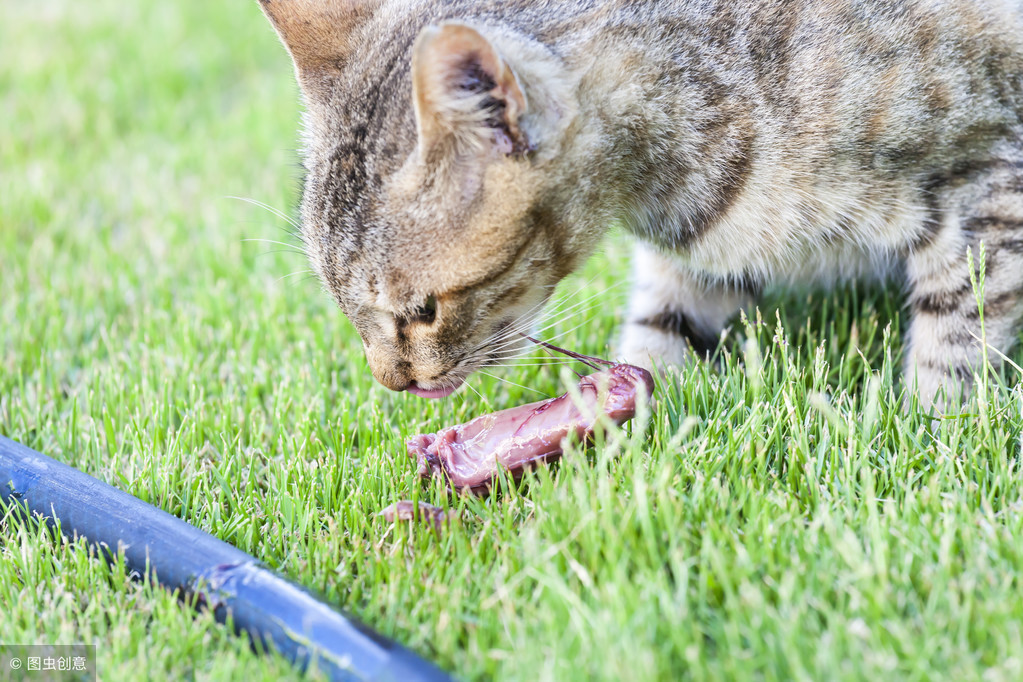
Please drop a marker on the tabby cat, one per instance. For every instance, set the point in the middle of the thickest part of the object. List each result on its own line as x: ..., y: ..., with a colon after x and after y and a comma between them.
x: 463, y: 157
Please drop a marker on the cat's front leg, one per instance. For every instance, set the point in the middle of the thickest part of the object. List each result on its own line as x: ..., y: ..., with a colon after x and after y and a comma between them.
x: 945, y: 335
x: 673, y: 310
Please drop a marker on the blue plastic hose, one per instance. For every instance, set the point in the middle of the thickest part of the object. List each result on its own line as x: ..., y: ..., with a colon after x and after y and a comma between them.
x: 213, y: 574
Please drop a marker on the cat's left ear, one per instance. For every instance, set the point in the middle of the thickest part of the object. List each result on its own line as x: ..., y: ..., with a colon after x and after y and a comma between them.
x: 464, y: 90
x: 318, y: 35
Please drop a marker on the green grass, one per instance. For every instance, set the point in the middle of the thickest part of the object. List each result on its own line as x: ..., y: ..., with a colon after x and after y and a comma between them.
x: 780, y: 517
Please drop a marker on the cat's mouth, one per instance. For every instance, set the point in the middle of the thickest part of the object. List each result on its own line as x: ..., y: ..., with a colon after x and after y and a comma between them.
x: 434, y: 393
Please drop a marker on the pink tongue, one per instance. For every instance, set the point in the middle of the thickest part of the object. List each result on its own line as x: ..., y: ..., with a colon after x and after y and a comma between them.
x: 433, y: 392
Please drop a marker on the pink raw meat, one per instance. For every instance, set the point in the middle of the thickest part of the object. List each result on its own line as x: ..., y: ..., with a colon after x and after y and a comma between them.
x: 406, y: 510
x: 470, y: 455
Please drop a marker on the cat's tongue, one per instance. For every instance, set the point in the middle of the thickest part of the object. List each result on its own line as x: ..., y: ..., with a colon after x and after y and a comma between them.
x: 414, y: 389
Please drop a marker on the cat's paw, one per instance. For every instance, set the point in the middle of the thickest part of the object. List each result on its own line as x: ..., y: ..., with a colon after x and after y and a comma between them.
x: 652, y: 348
x: 941, y: 392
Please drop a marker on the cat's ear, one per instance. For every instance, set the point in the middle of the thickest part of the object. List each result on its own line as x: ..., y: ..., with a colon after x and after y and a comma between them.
x: 464, y: 90
x: 317, y: 33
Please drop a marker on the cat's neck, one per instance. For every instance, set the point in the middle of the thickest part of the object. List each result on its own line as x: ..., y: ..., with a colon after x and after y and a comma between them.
x: 665, y: 153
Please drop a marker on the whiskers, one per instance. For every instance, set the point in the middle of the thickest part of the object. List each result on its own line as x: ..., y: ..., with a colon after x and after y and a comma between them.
x: 481, y: 396
x: 309, y: 274
x: 293, y: 229
x: 510, y: 346
x: 509, y: 381
x: 288, y: 248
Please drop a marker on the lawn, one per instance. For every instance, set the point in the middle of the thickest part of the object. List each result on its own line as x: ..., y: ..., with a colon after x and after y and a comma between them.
x: 780, y: 516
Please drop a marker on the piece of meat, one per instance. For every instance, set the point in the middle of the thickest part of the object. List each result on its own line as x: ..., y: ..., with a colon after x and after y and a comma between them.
x: 470, y: 456
x: 406, y: 510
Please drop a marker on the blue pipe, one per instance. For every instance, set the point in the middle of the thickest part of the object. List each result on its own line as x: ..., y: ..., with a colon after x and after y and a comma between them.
x: 213, y: 574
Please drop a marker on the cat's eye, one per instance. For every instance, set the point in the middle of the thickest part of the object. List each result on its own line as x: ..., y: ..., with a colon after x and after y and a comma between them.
x: 427, y: 312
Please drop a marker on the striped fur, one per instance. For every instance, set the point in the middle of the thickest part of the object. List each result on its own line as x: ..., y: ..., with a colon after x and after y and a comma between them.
x: 471, y: 154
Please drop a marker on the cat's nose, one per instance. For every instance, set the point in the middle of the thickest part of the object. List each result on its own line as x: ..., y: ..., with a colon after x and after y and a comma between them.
x: 390, y: 377
x: 393, y: 381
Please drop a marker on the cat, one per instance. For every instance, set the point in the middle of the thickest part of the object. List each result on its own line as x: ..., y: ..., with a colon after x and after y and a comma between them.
x: 463, y: 157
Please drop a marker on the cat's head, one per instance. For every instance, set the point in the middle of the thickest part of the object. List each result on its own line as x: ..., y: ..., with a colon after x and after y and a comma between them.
x: 430, y: 208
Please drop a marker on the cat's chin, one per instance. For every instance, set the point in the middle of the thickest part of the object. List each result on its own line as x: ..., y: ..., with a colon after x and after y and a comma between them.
x: 434, y: 393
